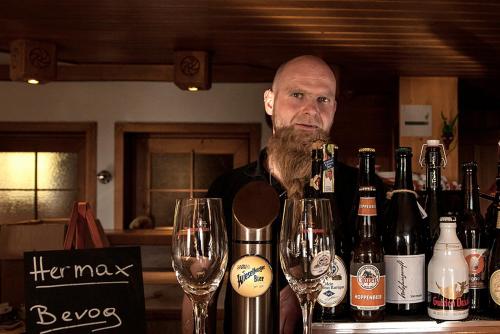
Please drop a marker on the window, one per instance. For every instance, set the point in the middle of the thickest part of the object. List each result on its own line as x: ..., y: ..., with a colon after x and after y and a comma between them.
x: 163, y: 162
x: 44, y: 168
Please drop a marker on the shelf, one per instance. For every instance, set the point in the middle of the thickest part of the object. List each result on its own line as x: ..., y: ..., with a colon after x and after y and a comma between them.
x: 410, y: 326
x: 151, y: 237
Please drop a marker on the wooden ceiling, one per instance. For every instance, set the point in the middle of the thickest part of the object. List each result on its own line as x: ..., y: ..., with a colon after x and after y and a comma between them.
x: 248, y: 39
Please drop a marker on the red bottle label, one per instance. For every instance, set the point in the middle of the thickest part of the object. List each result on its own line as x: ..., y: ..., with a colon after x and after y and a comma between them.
x: 367, y: 286
x: 476, y: 260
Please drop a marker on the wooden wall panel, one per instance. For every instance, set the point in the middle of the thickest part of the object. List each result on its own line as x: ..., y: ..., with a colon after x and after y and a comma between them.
x: 441, y: 94
x: 365, y: 118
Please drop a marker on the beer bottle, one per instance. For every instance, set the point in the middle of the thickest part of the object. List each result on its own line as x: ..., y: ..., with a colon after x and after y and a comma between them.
x: 433, y: 161
x: 473, y: 239
x: 332, y: 300
x: 404, y: 246
x: 491, y: 213
x: 448, y: 276
x: 367, y: 271
x: 494, y: 260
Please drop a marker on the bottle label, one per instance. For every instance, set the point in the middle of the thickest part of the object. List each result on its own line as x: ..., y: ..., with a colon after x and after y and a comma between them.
x: 367, y: 206
x: 448, y: 285
x: 495, y: 287
x: 405, y: 278
x: 315, y: 181
x: 328, y: 180
x: 476, y: 259
x: 320, y: 263
x: 423, y: 214
x: 334, y: 285
x: 367, y: 286
x: 251, y: 276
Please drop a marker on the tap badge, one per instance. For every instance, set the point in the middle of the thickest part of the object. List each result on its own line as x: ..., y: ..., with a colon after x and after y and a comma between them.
x: 251, y: 276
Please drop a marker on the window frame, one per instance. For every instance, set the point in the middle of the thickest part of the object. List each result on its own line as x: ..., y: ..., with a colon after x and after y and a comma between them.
x: 250, y: 131
x: 89, y: 129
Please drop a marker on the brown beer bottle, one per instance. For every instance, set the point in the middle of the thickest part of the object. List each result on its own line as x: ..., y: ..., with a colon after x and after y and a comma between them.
x: 332, y: 300
x: 471, y: 233
x: 367, y: 270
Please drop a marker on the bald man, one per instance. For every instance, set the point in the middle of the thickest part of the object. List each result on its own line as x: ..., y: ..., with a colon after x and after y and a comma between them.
x: 302, y: 106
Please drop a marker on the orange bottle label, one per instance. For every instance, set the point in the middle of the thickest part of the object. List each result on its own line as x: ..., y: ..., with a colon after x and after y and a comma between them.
x: 368, y: 287
x: 367, y: 206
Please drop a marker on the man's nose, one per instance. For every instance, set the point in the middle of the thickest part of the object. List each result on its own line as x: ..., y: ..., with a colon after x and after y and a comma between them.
x: 311, y: 106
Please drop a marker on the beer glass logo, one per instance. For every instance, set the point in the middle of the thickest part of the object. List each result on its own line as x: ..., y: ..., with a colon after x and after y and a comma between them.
x: 368, y: 277
x: 320, y: 263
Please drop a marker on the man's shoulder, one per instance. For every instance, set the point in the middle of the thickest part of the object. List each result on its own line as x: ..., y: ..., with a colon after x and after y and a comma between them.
x: 234, y: 179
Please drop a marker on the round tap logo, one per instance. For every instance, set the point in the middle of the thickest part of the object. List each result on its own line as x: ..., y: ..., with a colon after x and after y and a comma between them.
x: 251, y: 276
x: 368, y: 277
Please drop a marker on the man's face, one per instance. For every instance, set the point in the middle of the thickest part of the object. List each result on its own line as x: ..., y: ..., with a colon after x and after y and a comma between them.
x: 303, y: 97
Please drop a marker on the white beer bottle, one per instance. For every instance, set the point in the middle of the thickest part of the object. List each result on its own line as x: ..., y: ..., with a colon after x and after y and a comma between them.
x: 448, y: 276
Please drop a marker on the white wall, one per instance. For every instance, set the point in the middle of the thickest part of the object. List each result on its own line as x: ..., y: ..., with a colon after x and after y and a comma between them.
x: 109, y: 102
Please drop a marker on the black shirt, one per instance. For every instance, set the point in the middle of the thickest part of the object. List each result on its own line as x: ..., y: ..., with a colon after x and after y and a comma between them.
x: 227, y: 185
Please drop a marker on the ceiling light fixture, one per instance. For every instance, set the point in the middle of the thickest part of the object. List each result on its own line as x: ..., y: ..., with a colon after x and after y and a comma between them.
x: 32, y: 61
x: 191, y: 70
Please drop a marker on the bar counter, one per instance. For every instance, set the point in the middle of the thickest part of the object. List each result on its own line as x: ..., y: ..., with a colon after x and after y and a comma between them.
x: 411, y: 324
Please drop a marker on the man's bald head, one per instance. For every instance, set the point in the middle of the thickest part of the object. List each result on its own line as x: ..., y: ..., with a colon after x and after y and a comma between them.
x: 302, y: 95
x: 309, y: 63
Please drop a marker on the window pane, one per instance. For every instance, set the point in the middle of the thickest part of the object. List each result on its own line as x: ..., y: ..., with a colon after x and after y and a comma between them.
x: 170, y: 171
x: 207, y: 167
x: 17, y: 170
x: 16, y: 205
x: 163, y: 207
x: 55, y: 204
x: 57, y: 170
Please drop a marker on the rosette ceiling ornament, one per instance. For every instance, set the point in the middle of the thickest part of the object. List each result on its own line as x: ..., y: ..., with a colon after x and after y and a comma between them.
x: 192, y: 70
x: 33, y: 61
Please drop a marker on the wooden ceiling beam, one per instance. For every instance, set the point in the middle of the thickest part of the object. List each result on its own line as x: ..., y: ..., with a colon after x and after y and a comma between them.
x: 130, y: 72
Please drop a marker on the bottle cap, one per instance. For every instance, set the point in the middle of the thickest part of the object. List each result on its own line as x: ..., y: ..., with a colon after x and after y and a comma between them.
x: 403, y: 150
x: 433, y: 142
x: 366, y: 150
x: 448, y: 221
x: 469, y: 165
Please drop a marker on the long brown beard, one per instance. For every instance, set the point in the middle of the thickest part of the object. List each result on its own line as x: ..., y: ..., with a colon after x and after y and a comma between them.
x: 290, y: 151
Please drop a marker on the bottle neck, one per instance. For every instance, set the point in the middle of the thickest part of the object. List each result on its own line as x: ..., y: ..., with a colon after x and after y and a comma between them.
x: 403, y: 172
x: 366, y: 170
x: 497, y: 194
x: 367, y: 211
x: 433, y: 169
x: 448, y: 235
x: 470, y: 190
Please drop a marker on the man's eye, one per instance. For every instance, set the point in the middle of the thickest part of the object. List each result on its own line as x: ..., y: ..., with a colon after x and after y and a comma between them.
x: 323, y: 99
x: 298, y: 95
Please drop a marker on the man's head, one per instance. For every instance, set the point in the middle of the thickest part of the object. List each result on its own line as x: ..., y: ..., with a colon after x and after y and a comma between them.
x: 302, y: 95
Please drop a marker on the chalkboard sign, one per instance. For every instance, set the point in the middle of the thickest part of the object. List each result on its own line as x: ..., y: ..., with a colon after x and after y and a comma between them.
x: 84, y: 291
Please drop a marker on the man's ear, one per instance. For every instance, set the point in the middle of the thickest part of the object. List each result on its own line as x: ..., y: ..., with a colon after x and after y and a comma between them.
x: 269, y: 101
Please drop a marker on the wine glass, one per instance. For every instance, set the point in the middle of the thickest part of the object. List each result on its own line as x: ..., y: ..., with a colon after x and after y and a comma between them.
x: 307, y: 249
x: 199, y: 247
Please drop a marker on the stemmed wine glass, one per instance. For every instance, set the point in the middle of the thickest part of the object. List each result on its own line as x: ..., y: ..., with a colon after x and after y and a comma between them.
x: 306, y: 249
x: 199, y: 247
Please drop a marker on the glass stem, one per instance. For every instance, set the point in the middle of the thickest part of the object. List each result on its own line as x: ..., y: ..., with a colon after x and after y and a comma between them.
x: 307, y: 309
x: 200, y: 315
